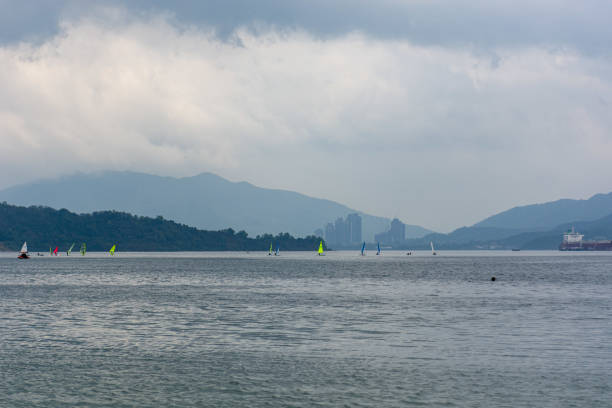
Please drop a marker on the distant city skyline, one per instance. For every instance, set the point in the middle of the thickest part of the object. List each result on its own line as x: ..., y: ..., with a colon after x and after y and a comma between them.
x: 344, y: 231
x: 395, y: 235
x: 437, y: 113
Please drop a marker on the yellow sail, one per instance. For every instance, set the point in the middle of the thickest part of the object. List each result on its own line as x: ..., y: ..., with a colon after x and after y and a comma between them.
x: 112, y: 250
x: 321, y: 248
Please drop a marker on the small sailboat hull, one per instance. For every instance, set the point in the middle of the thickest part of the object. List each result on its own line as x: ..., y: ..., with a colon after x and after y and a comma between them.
x: 320, y: 251
x: 23, y: 253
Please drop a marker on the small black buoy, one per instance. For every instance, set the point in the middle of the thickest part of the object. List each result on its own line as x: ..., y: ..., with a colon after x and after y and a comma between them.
x: 493, y: 278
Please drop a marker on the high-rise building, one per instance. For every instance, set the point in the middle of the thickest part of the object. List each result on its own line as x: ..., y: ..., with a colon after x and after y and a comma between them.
x: 340, y: 230
x: 397, y: 232
x: 344, y: 232
x: 353, y: 222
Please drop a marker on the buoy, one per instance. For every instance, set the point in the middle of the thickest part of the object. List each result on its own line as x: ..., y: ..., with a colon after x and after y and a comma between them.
x: 493, y: 278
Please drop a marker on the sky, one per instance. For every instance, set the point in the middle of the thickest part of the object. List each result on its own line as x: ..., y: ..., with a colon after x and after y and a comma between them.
x: 438, y: 112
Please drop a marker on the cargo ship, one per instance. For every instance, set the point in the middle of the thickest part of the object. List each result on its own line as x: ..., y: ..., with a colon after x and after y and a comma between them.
x: 573, y: 241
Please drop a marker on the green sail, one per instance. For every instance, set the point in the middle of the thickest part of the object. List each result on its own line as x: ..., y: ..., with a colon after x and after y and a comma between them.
x: 70, y: 249
x: 321, y: 248
x: 112, y: 250
x: 83, y: 249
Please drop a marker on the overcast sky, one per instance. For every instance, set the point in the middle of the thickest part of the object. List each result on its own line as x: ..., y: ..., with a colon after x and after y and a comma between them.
x: 438, y: 112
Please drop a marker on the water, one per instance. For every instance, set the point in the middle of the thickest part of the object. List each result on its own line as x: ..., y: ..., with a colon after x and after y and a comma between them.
x: 230, y: 329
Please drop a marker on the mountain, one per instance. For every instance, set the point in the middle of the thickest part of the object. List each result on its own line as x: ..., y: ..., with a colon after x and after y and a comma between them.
x: 593, y: 230
x: 44, y: 227
x: 548, y: 215
x: 204, y: 201
x: 536, y: 226
x: 491, y: 238
x: 412, y: 231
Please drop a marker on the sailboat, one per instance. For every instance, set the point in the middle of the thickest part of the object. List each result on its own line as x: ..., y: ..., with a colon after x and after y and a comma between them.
x: 378, y: 246
x: 363, y: 249
x: 23, y: 254
x: 70, y: 249
x: 321, y: 253
x: 270, y: 250
x: 277, y: 252
x: 112, y: 250
x: 433, y: 251
x: 83, y: 249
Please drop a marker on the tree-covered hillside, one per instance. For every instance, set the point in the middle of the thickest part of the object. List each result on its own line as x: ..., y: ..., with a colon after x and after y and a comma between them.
x: 44, y: 227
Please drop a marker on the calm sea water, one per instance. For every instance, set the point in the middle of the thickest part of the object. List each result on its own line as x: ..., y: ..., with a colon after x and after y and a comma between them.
x: 230, y: 329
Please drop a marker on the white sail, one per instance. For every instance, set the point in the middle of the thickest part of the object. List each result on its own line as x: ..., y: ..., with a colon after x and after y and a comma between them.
x: 24, y: 248
x: 433, y: 251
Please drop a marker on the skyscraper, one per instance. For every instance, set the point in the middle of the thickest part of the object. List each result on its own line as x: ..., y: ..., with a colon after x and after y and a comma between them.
x: 397, y: 232
x: 353, y: 222
x: 344, y: 232
x: 340, y: 228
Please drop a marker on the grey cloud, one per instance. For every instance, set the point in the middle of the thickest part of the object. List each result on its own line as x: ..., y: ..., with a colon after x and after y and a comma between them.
x: 583, y: 25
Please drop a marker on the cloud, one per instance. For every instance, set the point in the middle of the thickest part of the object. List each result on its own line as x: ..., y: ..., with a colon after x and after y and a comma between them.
x: 437, y: 135
x: 485, y: 25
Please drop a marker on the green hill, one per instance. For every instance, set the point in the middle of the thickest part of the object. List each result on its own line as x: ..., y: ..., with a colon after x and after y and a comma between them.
x: 44, y: 227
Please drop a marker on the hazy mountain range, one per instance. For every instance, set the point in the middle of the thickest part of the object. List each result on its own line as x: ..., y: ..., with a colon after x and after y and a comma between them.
x: 492, y: 238
x: 537, y: 226
x: 205, y: 201
x: 210, y: 202
x: 548, y: 215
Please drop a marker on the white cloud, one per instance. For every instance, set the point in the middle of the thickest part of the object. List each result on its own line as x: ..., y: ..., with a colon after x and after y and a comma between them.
x: 438, y: 136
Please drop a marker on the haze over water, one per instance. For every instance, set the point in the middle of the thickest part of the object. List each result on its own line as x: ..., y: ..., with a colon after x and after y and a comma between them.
x: 230, y: 329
